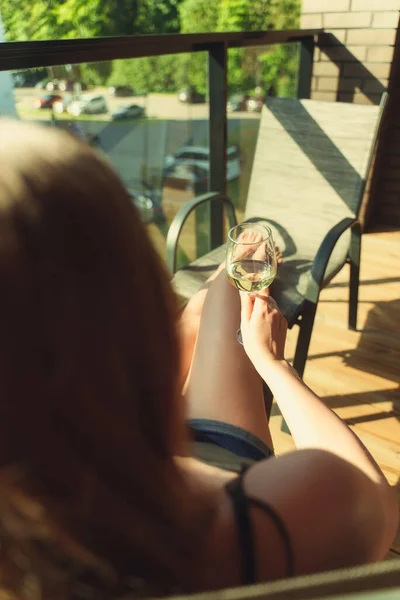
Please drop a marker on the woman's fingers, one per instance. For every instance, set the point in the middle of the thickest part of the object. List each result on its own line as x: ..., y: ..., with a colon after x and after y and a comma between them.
x: 272, y: 303
x: 261, y: 306
x: 265, y: 292
x: 256, y: 305
x: 247, y: 305
x: 264, y: 305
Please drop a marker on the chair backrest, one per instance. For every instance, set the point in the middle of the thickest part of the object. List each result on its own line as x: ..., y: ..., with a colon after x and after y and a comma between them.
x: 311, y: 163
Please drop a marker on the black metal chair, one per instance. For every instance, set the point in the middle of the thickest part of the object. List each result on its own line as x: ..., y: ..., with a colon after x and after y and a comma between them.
x: 310, y: 169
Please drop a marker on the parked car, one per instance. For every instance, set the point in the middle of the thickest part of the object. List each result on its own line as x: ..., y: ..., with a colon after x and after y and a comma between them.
x: 255, y: 104
x: 61, y: 105
x: 47, y: 101
x: 69, y: 85
x: 27, y: 78
x: 186, y: 176
x: 89, y: 105
x: 148, y: 202
x: 191, y: 96
x: 133, y: 111
x: 121, y: 91
x: 199, y: 156
x: 236, y: 103
x: 41, y: 85
x: 52, y: 85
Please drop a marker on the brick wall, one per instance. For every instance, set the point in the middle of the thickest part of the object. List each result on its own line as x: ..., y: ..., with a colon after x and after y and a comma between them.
x: 358, y: 58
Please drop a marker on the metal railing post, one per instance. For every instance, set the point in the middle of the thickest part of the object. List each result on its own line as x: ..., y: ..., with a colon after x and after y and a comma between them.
x: 217, y: 85
x: 307, y: 46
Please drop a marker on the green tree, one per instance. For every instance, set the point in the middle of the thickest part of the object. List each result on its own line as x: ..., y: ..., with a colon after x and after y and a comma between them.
x: 55, y: 19
x: 234, y: 15
x: 95, y: 18
x: 155, y: 73
x: 196, y: 16
x: 250, y: 15
x: 158, y: 16
x: 52, y: 19
x: 277, y: 67
x: 25, y: 21
x: 146, y: 75
x: 199, y: 16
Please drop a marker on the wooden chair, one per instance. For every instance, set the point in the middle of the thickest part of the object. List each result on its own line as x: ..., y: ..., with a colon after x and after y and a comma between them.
x: 308, y: 180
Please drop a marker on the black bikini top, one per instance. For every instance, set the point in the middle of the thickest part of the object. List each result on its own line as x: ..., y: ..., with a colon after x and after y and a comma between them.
x: 241, y: 506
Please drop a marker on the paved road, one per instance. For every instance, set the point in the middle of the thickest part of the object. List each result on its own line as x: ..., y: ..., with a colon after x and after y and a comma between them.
x: 159, y: 106
x: 138, y: 149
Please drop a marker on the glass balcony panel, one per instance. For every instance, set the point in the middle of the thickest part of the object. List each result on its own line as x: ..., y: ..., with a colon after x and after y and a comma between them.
x: 150, y: 116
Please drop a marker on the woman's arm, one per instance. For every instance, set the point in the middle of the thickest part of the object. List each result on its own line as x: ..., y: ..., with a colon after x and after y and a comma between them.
x: 312, y: 423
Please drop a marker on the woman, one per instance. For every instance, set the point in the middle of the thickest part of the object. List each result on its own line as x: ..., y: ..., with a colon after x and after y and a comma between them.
x: 100, y: 493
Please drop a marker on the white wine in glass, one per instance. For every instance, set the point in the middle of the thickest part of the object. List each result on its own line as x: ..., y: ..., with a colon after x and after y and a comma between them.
x: 251, y: 276
x: 250, y: 258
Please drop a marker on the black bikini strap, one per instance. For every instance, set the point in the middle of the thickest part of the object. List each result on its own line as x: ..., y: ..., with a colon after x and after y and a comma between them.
x: 281, y: 527
x: 244, y: 529
x: 241, y: 504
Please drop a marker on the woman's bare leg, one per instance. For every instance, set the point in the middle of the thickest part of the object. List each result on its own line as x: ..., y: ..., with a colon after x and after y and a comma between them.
x: 189, y: 322
x: 223, y: 384
x: 188, y: 326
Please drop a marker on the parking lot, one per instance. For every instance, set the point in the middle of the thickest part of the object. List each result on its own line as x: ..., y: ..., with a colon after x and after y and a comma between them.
x: 138, y: 148
x: 158, y: 106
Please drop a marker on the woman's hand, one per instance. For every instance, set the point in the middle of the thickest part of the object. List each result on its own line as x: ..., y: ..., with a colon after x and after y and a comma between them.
x: 263, y: 327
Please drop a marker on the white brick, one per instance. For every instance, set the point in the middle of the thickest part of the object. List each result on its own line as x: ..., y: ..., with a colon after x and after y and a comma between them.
x: 386, y: 19
x: 378, y: 5
x: 348, y: 54
x: 371, y: 37
x: 359, y: 98
x: 327, y: 96
x: 328, y: 84
x: 343, y: 20
x: 380, y: 54
x: 318, y: 6
x: 326, y: 69
x: 366, y: 69
x: 311, y: 21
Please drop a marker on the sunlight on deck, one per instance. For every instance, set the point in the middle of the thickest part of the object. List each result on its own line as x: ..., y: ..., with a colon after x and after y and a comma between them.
x: 358, y: 373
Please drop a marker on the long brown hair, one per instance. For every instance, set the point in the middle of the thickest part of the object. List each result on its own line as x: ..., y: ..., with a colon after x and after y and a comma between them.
x: 90, y: 414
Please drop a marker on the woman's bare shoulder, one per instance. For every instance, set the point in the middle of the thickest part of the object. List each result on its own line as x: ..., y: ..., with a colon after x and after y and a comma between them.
x: 315, y: 496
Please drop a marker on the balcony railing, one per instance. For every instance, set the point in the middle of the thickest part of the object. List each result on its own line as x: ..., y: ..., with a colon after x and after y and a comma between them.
x: 26, y: 55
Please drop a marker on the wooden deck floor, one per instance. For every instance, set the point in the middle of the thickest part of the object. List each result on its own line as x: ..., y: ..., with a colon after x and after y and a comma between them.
x: 358, y: 373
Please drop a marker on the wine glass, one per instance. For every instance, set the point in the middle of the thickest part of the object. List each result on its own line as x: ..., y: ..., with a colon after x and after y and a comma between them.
x: 250, y: 258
